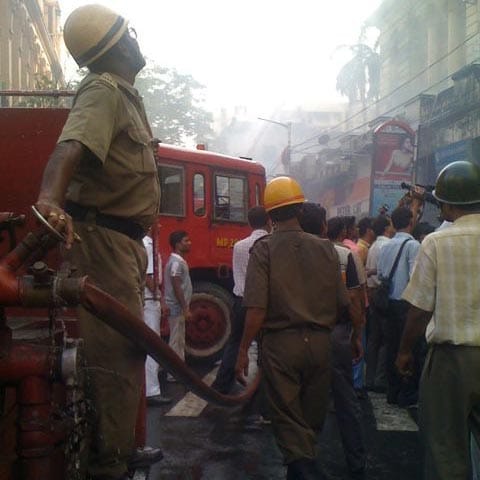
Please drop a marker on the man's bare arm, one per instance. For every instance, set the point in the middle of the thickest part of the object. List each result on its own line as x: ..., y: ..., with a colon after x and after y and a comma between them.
x: 253, y: 323
x: 417, y: 321
x: 149, y: 281
x: 57, y: 175
x: 177, y: 289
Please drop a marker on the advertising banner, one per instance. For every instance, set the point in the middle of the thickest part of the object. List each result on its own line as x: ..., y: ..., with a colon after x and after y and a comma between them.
x: 392, y: 164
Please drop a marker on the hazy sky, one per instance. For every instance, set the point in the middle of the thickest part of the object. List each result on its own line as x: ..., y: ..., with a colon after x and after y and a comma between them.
x: 262, y: 54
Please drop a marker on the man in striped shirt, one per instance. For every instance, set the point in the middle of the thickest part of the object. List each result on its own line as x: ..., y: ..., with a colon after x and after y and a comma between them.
x: 444, y: 293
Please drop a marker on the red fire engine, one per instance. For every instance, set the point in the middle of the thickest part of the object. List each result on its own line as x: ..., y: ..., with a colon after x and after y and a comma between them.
x: 205, y: 193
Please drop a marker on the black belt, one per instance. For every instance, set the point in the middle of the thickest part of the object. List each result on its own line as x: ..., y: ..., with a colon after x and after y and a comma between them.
x: 122, y: 225
x: 299, y: 328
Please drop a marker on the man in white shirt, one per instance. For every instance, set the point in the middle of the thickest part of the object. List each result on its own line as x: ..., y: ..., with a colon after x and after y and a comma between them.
x: 444, y: 294
x: 152, y: 313
x: 178, y: 291
x: 259, y: 220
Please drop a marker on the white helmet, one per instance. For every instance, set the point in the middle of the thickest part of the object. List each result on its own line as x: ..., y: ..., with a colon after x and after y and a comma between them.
x: 92, y: 30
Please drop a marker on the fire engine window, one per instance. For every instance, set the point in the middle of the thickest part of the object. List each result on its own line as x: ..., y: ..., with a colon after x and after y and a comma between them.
x: 230, y: 198
x: 199, y: 195
x: 171, y: 183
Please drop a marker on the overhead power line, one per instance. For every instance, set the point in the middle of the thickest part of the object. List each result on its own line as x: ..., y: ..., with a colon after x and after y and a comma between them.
x: 395, y: 90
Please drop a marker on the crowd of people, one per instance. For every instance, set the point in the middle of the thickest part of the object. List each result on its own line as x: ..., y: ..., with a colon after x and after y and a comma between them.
x: 420, y: 344
x: 307, y: 289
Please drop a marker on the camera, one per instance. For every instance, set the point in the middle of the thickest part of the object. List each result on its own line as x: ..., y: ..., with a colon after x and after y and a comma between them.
x: 421, y: 191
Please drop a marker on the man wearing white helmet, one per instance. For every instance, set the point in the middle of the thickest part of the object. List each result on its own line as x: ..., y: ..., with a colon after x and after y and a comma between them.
x: 101, y: 181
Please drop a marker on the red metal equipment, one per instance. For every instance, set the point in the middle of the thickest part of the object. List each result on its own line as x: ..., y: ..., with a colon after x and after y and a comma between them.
x: 51, y: 434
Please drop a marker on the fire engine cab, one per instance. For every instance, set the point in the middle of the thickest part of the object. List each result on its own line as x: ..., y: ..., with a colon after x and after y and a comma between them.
x: 208, y: 195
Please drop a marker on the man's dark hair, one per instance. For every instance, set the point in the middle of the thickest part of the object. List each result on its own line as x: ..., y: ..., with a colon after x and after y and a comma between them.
x: 176, y: 237
x: 380, y: 224
x: 401, y: 217
x: 257, y: 217
x: 363, y: 225
x: 349, y: 222
x: 334, y: 227
x: 313, y: 218
x: 283, y: 214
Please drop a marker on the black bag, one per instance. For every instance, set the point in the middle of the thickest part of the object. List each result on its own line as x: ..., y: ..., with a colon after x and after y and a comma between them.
x: 381, y: 296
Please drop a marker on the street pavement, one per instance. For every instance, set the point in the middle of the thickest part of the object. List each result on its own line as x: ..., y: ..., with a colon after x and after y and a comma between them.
x: 205, y: 442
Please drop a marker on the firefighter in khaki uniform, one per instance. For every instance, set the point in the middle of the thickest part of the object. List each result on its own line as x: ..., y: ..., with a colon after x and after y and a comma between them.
x: 101, y: 181
x: 293, y: 291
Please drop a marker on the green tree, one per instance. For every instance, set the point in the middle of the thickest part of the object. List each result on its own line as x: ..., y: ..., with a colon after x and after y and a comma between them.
x: 359, y: 78
x: 173, y: 102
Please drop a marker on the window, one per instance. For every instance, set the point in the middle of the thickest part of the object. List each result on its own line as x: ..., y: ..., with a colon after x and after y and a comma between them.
x: 230, y: 198
x: 198, y: 195
x: 172, y: 185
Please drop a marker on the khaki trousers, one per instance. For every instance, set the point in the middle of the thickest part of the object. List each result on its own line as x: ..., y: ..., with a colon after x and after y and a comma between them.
x: 115, y: 368
x: 296, y: 365
x: 449, y: 408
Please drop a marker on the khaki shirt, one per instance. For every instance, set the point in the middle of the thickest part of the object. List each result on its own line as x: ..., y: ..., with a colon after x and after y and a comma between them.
x: 121, y: 177
x: 296, y: 278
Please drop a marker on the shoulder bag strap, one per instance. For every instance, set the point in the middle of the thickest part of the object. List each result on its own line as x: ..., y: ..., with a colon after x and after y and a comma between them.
x: 397, y: 259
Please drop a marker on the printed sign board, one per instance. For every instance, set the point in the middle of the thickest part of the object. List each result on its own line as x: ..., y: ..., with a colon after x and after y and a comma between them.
x: 392, y: 164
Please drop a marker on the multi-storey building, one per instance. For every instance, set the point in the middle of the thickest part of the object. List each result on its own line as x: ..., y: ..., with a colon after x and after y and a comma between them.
x: 30, y: 44
x: 428, y: 79
x: 421, y: 45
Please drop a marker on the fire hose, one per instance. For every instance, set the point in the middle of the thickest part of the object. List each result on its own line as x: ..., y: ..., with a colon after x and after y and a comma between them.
x: 39, y: 290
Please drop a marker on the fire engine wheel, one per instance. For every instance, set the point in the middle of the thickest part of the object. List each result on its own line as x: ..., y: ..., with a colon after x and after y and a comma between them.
x: 208, y: 331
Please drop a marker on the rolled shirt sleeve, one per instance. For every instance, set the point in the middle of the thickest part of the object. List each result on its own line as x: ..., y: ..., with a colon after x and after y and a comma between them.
x: 177, y: 269
x: 90, y: 120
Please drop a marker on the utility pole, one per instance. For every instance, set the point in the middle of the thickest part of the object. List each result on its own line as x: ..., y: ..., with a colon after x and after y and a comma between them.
x: 288, y: 126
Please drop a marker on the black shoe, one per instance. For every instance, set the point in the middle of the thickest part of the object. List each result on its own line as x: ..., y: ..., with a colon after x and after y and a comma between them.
x: 358, y: 474
x: 392, y: 398
x: 158, y: 400
x: 377, y: 388
x: 408, y: 401
x: 126, y: 476
x: 361, y: 393
x: 304, y: 469
x: 223, y: 389
x: 144, y: 457
x: 256, y: 421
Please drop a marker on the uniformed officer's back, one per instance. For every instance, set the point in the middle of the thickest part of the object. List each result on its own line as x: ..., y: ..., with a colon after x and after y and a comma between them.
x: 293, y: 290
x: 304, y: 273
